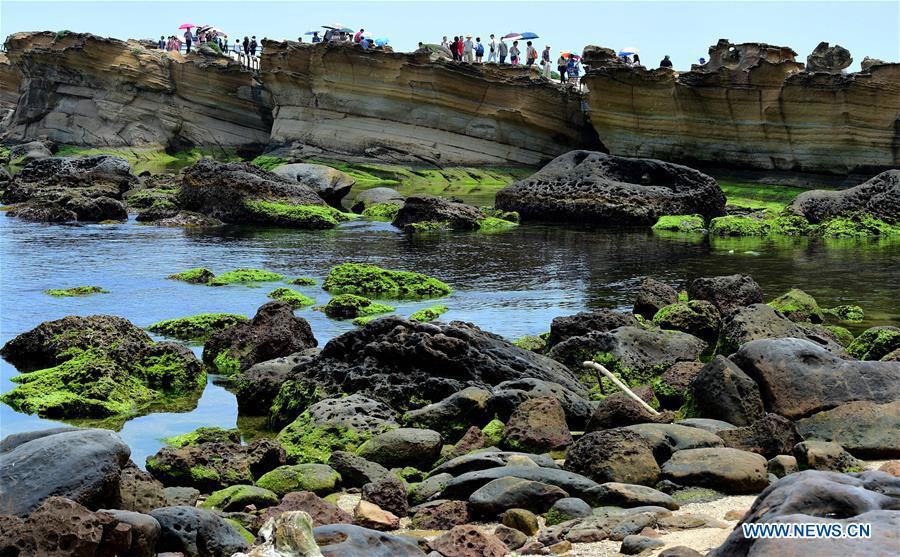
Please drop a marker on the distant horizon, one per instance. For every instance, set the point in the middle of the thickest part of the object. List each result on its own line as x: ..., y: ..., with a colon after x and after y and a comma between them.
x: 683, y: 30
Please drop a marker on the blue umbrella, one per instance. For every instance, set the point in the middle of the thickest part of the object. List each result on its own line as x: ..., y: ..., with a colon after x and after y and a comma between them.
x: 528, y: 35
x: 310, y: 33
x: 629, y: 51
x: 381, y: 42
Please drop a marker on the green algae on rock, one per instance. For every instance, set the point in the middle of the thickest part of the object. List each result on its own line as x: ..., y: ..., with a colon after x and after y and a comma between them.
x: 197, y: 275
x: 291, y: 297
x: 316, y: 217
x: 241, y: 276
x: 306, y: 442
x: 381, y: 211
x: 196, y: 327
x: 696, y: 317
x: 493, y: 432
x: 76, y: 291
x: 680, y: 223
x: 236, y: 497
x: 797, y: 305
x: 533, y: 343
x: 350, y: 306
x: 365, y: 279
x: 204, y: 435
x: 875, y: 343
x: 321, y: 479
x: 268, y: 162
x: 97, y: 367
x: 303, y: 281
x: 429, y: 313
x: 857, y: 226
x: 733, y: 225
x: 844, y: 336
x: 490, y: 224
x: 846, y: 313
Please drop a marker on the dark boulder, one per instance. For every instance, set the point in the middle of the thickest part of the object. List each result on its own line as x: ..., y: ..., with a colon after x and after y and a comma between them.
x: 580, y: 324
x: 592, y: 187
x: 824, y: 455
x: 879, y: 197
x: 798, y: 378
x: 510, y: 394
x: 144, y: 531
x: 575, y: 485
x: 652, y: 297
x: 272, y: 333
x: 348, y: 540
x: 403, y: 447
x: 505, y: 493
x: 829, y: 59
x: 488, y: 458
x: 618, y: 410
x: 440, y: 514
x: 330, y: 184
x: 723, y: 391
x: 84, y: 465
x: 613, y: 455
x: 452, y: 416
x: 376, y: 196
x: 769, y: 436
x: 356, y: 471
x: 667, y: 439
x: 57, y: 178
x: 696, y: 317
x: 213, y: 466
x: 256, y: 388
x: 320, y: 510
x: 760, y: 321
x: 389, y: 493
x: 720, y: 468
x: 866, y: 429
x: 423, y: 208
x: 196, y: 533
x: 537, y: 425
x: 468, y: 540
x: 726, y: 292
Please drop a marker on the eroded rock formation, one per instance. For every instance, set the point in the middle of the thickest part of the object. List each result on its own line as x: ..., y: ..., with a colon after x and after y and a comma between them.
x: 751, y: 105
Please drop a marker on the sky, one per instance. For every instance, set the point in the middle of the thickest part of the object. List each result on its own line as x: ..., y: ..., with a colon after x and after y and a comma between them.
x: 684, y: 30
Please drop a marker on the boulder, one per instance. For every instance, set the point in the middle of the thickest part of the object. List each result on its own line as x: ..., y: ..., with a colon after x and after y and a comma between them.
x: 139, y: 491
x: 782, y: 465
x: 396, y: 360
x: 403, y: 447
x: 347, y: 540
x: 196, y: 533
x: 879, y: 197
x: 710, y: 425
x: 575, y: 485
x: 256, y: 388
x: 376, y: 196
x: 824, y: 497
x: 797, y: 305
x: 330, y: 184
x: 58, y: 179
x: 769, y: 436
x: 723, y: 469
x: 428, y: 209
x: 181, y: 496
x: 290, y: 534
x: 144, y: 531
x: 508, y: 395
x: 723, y: 391
x: 389, y: 493
x: 580, y: 324
x: 667, y: 439
x: 571, y: 507
x: 866, y: 429
x: 537, y: 425
x: 31, y: 151
x: 631, y: 495
x: 272, y: 333
x: 675, y: 383
x: 634, y: 544
x: 213, y: 466
x: 356, y: 471
x: 618, y: 410
x: 505, y: 493
x: 759, y: 321
x: 613, y: 455
x: 652, y: 297
x: 513, y: 539
x: 824, y: 455
x: 237, y: 497
x: 868, y: 62
x: 522, y: 520
x: 468, y: 541
x: 488, y: 458
x: 798, y: 378
x: 452, y: 416
x: 370, y: 515
x: 440, y: 515
x: 696, y: 317
x: 592, y: 187
x: 321, y: 479
x: 241, y: 193
x: 726, y: 292
x: 428, y: 488
x: 875, y: 343
x: 320, y: 510
x: 83, y: 465
x: 829, y: 59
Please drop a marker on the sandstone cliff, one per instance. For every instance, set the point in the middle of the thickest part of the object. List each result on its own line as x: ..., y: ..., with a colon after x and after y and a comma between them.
x: 751, y: 106
x: 342, y: 99
x: 85, y: 90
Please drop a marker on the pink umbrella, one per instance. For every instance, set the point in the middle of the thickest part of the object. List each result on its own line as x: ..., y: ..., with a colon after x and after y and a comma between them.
x: 510, y: 35
x: 187, y: 25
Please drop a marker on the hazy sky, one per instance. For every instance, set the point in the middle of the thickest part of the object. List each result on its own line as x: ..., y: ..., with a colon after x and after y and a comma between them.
x: 685, y: 30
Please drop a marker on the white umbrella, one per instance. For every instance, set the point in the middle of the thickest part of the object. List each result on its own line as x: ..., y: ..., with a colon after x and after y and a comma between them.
x: 629, y: 50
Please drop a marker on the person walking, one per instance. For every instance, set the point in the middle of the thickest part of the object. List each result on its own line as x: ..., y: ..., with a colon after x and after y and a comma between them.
x: 454, y: 52
x: 503, y: 51
x: 492, y: 50
x: 358, y: 36
x: 479, y: 51
x: 469, y: 50
x: 665, y: 62
x: 188, y: 39
x: 514, y: 54
x: 561, y: 64
x: 545, y: 61
x: 530, y: 54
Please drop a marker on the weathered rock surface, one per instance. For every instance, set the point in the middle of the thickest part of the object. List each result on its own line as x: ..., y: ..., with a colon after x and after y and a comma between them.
x: 614, y: 455
x: 866, y: 429
x: 592, y: 187
x: 879, y: 196
x: 403, y: 447
x: 723, y: 469
x: 347, y: 540
x: 330, y: 184
x: 726, y: 292
x: 537, y: 425
x: 723, y: 391
x: 573, y: 484
x: 582, y: 323
x: 761, y: 321
x: 830, y: 59
x: 320, y: 510
x: 468, y: 541
x: 510, y: 394
x: 423, y: 208
x: 769, y: 436
x: 506, y: 493
x: 212, y: 466
x: 666, y: 439
x: 196, y: 533
x: 652, y: 297
x: 488, y: 458
x: 798, y: 378
x: 751, y: 105
x: 83, y: 465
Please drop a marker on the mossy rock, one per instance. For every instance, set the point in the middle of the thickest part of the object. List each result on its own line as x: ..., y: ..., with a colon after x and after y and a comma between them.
x: 197, y: 275
x: 291, y: 297
x: 364, y: 279
x: 696, y: 495
x: 350, y: 306
x: 236, y: 497
x: 242, y: 530
x: 734, y: 225
x: 854, y: 314
x: 243, y: 276
x: 533, y: 343
x: 313, y: 217
x: 509, y: 216
x: 493, y: 432
x: 303, y: 281
x: 427, y: 226
x: 844, y: 336
x: 797, y: 305
x: 680, y: 223
x: 321, y: 479
x: 554, y: 517
x: 492, y: 224
x: 269, y: 162
x: 306, y: 442
x: 76, y: 291
x: 197, y: 327
x: 875, y: 343
x: 294, y: 396
x: 204, y: 435
x: 696, y: 317
x: 381, y: 211
x: 858, y: 226
x: 428, y: 314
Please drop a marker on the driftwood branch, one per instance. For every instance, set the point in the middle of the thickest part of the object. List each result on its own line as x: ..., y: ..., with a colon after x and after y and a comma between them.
x: 600, y: 369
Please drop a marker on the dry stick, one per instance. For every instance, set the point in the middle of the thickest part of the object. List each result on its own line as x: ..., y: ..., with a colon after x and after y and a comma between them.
x: 620, y: 385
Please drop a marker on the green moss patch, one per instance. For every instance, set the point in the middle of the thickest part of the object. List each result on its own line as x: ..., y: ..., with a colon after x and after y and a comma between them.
x: 534, y: 343
x: 489, y: 224
x: 318, y: 478
x: 850, y: 313
x: 294, y: 397
x: 739, y: 226
x: 197, y: 327
x: 844, y: 336
x: 381, y: 211
x: 875, y: 343
x: 364, y: 279
x: 303, y: 281
x: 314, y: 217
x: 76, y: 291
x: 292, y: 297
x: 493, y: 432
x: 429, y: 313
x: 797, y: 305
x: 204, y: 435
x: 350, y: 306
x: 197, y: 275
x: 680, y: 223
x: 427, y: 226
x: 305, y: 442
x: 856, y: 227
x: 236, y: 497
x: 225, y: 364
x: 243, y: 276
x: 269, y: 162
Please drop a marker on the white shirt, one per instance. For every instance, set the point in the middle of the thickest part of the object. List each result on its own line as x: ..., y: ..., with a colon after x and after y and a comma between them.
x: 468, y: 46
x: 493, y: 45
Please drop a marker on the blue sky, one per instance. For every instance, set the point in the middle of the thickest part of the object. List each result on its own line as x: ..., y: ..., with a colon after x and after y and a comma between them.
x: 685, y: 30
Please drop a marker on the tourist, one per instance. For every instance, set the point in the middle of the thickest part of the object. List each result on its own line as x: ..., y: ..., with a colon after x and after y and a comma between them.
x: 237, y: 49
x: 479, y: 51
x: 162, y: 43
x: 329, y: 35
x: 358, y: 36
x: 665, y: 62
x: 459, y: 48
x: 253, y: 46
x: 444, y: 43
x: 514, y: 53
x: 176, y: 44
x: 530, y: 54
x: 469, y: 50
x: 364, y: 43
x: 316, y: 38
x: 572, y: 70
x: 702, y: 61
x: 454, y: 51
x: 503, y: 51
x: 545, y: 61
x: 637, y: 59
x: 492, y: 50
x: 561, y: 68
x: 188, y: 39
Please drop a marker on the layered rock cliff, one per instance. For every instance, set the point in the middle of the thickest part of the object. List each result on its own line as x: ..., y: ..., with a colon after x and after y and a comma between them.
x: 751, y: 106
x: 341, y: 98
x: 81, y: 89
